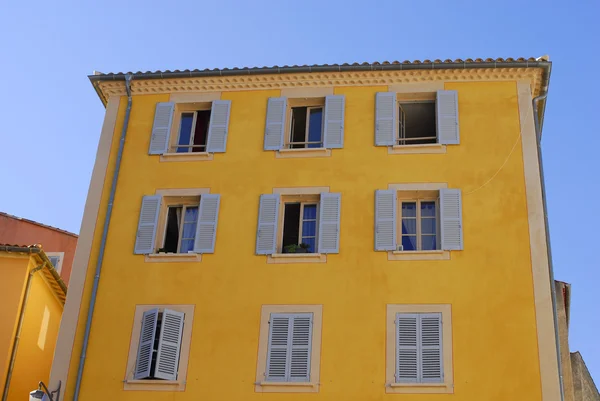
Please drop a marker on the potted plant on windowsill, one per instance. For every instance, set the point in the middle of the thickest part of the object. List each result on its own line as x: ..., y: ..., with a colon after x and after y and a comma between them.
x: 296, y: 248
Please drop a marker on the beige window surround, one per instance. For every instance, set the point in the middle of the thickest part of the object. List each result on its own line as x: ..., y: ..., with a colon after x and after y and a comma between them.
x: 298, y: 153
x: 260, y: 385
x: 61, y: 257
x: 429, y: 148
x: 315, y: 100
x: 159, y: 385
x: 390, y: 353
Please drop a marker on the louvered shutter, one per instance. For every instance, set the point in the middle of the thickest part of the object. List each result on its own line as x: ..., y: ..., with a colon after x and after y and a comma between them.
x: 451, y: 219
x: 447, y: 117
x: 329, y: 223
x: 407, y: 341
x: 385, y: 220
x: 300, y: 348
x: 386, y: 122
x: 218, y: 126
x: 430, y: 348
x: 206, y: 229
x: 333, y: 134
x: 146, y: 232
x: 163, y: 115
x: 146, y: 345
x: 266, y: 233
x: 169, y: 344
x: 275, y: 124
x: 277, y: 356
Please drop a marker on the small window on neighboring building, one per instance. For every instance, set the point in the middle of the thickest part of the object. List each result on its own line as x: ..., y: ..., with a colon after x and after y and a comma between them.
x: 193, y: 131
x: 306, y: 127
x: 300, y: 227
x: 419, y: 225
x: 417, y: 123
x: 56, y: 258
x: 180, y: 230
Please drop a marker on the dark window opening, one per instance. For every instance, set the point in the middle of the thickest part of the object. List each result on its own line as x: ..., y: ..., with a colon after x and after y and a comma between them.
x: 155, y: 348
x: 172, y: 230
x: 307, y: 127
x: 193, y: 131
x: 417, y: 124
x: 291, y: 224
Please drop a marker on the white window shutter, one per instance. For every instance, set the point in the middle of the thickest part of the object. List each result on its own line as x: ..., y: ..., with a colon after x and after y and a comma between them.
x: 447, y: 117
x: 268, y: 216
x: 329, y: 223
x: 451, y: 219
x: 206, y: 228
x: 218, y: 126
x: 301, y: 344
x: 275, y: 124
x: 146, y: 232
x: 145, y: 347
x: 169, y: 345
x: 333, y: 127
x: 163, y: 116
x: 407, y: 347
x: 385, y: 220
x: 386, y: 121
x: 277, y: 356
x: 430, y: 348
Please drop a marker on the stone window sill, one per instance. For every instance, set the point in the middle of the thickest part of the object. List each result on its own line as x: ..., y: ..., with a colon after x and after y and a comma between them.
x: 419, y: 255
x: 186, y: 157
x: 154, y: 385
x: 304, y: 152
x: 172, y: 258
x: 423, y: 388
x: 287, y: 387
x: 297, y: 258
x: 417, y: 149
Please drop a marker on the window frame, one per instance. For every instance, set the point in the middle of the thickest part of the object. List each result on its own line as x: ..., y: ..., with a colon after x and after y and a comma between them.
x: 401, y: 125
x: 180, y: 109
x: 61, y: 258
x: 312, y: 386
x: 391, y: 386
x: 418, y: 199
x: 169, y: 202
x: 129, y: 383
x: 309, y: 103
x: 183, y: 207
x: 289, y: 143
x: 190, y: 146
x: 306, y: 199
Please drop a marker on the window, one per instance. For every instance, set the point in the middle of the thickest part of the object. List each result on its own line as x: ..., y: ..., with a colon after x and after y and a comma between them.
x: 180, y: 230
x: 56, y: 258
x: 306, y: 129
x: 416, y: 123
x: 419, y: 349
x: 289, y: 348
x: 300, y: 226
x: 193, y: 131
x: 159, y: 347
x: 419, y: 225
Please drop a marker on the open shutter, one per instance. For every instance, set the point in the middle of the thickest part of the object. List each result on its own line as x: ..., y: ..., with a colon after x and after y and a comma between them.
x: 268, y: 215
x: 386, y: 124
x: 333, y: 128
x: 275, y: 124
x: 430, y: 348
x: 447, y: 117
x: 218, y: 126
x: 451, y: 219
x: 146, y: 345
x: 277, y: 357
x: 159, y: 142
x: 301, y: 348
x: 169, y: 344
x: 146, y: 232
x: 206, y: 230
x: 329, y: 223
x: 407, y: 336
x: 385, y: 220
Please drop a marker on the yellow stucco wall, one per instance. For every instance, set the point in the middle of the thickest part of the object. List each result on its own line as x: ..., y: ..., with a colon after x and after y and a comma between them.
x: 489, y: 284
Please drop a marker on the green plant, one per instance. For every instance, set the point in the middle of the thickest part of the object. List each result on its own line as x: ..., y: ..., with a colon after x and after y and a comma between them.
x: 296, y: 248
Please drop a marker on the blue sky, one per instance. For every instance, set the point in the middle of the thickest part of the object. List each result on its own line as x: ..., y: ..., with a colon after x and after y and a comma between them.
x: 52, y: 116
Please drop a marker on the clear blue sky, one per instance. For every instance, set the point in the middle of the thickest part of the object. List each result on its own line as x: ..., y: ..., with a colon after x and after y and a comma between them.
x: 51, y: 116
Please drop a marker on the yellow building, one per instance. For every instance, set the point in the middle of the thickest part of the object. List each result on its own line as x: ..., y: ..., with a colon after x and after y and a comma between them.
x: 33, y: 295
x: 350, y: 231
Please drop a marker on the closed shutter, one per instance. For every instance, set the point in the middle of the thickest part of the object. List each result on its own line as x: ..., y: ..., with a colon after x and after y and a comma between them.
x: 301, y: 347
x: 169, y: 345
x: 277, y: 356
x: 385, y: 220
x: 275, y: 124
x: 268, y: 215
x: 447, y: 117
x: 146, y: 345
x: 206, y: 230
x: 290, y: 344
x: 159, y: 142
x: 329, y: 223
x: 407, y: 363
x: 218, y: 127
x: 431, y: 348
x: 451, y: 219
x: 333, y: 135
x: 386, y: 124
x: 146, y: 232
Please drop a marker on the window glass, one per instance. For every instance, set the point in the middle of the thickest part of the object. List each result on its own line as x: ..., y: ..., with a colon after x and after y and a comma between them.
x: 55, y: 260
x: 309, y: 227
x: 189, y: 229
x: 201, y: 130
x: 315, y: 126
x: 185, y: 132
